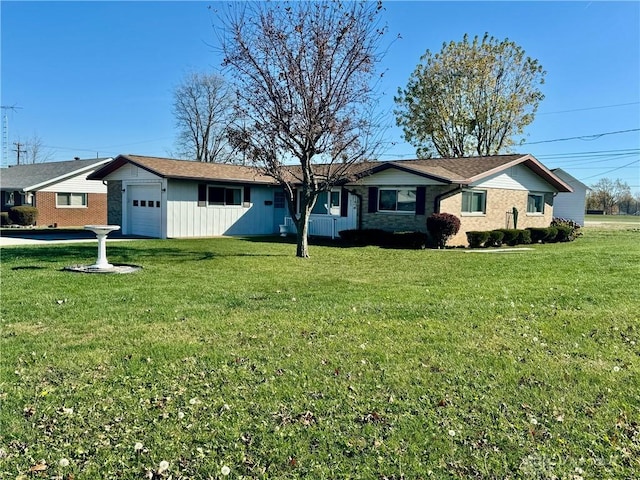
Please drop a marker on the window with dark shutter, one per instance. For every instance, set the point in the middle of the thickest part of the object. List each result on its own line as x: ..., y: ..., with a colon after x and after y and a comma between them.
x: 247, y: 194
x: 421, y: 194
x: 344, y: 203
x: 373, y: 199
x: 202, y: 195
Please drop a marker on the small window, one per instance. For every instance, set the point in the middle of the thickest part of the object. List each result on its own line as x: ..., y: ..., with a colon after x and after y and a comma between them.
x: 328, y: 203
x: 71, y: 200
x: 278, y: 199
x: 143, y: 203
x: 10, y: 199
x: 157, y: 204
x: 224, y: 196
x: 150, y: 203
x: 397, y: 200
x: 474, y: 201
x: 535, y: 203
x: 135, y: 203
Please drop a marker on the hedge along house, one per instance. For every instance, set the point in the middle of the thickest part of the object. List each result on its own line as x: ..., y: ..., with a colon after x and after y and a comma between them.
x: 168, y: 198
x: 481, y: 191
x: 60, y: 191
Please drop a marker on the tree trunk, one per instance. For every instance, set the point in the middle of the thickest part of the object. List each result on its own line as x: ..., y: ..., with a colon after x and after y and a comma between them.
x: 302, y: 227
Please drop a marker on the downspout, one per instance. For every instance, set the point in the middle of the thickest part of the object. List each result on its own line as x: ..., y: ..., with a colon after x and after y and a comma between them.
x: 436, y: 201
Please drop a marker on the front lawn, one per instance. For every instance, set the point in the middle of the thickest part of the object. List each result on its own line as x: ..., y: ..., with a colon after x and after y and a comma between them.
x: 231, y: 358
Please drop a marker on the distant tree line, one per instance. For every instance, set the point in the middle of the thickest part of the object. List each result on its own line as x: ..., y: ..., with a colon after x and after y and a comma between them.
x: 613, y: 197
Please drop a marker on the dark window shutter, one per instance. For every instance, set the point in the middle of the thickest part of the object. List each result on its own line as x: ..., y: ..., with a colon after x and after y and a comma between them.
x: 373, y: 199
x: 295, y: 202
x: 202, y: 195
x: 421, y: 193
x: 344, y: 203
x: 247, y: 194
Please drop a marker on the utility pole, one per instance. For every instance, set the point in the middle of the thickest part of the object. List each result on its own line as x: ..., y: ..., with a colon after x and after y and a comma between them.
x: 18, y: 151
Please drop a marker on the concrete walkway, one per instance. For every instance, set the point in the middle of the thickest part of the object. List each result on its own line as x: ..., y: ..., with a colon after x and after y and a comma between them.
x: 49, y: 238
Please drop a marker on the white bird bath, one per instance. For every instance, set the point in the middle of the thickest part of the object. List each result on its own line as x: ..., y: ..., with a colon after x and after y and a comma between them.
x: 101, y: 232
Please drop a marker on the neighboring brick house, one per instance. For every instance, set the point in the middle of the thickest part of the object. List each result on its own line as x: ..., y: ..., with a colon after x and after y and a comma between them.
x: 59, y: 190
x: 167, y: 198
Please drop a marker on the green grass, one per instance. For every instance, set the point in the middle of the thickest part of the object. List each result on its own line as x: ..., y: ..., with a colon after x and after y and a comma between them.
x: 358, y: 363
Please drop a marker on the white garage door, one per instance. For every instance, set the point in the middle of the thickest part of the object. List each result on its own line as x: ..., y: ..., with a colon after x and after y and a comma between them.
x: 145, y: 210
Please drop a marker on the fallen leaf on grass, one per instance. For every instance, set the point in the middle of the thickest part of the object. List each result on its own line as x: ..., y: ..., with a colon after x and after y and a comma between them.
x: 38, y: 467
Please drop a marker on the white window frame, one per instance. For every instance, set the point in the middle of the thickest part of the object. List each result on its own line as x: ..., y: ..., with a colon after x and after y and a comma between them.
x: 397, y: 189
x: 224, y: 203
x: 331, y: 208
x: 473, y: 212
x: 85, y: 200
x: 542, y: 202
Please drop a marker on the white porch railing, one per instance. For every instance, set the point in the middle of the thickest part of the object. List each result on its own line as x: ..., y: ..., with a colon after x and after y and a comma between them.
x: 323, y: 225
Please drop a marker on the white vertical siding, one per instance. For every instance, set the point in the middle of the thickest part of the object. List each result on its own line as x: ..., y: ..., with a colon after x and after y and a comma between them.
x: 186, y: 219
x: 570, y: 205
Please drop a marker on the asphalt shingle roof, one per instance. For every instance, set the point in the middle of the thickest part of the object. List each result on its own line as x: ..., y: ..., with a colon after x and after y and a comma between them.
x: 449, y: 170
x: 19, y: 177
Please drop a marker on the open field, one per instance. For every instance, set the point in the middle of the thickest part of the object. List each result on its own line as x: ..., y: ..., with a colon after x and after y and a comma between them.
x: 231, y: 358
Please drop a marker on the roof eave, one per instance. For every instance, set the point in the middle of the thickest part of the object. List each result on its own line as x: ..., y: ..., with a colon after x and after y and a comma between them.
x: 60, y: 178
x: 534, y: 165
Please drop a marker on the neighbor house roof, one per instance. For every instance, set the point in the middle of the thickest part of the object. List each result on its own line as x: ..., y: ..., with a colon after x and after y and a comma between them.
x: 38, y: 175
x: 185, y: 169
x: 467, y: 170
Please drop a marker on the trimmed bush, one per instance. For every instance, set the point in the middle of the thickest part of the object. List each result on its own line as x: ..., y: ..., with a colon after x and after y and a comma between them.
x: 477, y: 239
x: 369, y: 236
x: 382, y: 238
x: 565, y: 222
x: 565, y: 233
x: 511, y: 236
x: 524, y: 237
x: 552, y: 235
x: 442, y: 226
x: 538, y: 234
x: 4, y: 219
x: 495, y: 238
x: 23, y: 215
x: 543, y: 234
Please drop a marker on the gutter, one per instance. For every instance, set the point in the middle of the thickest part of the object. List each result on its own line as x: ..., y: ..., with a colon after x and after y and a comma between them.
x: 436, y: 201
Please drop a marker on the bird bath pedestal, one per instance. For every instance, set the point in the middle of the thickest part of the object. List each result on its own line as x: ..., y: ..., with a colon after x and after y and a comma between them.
x: 101, y: 232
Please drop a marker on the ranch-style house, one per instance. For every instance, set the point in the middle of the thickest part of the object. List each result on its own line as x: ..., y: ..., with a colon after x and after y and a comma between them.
x: 167, y: 198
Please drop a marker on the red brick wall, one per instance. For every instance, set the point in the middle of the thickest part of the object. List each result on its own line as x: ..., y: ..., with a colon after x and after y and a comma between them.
x: 95, y: 213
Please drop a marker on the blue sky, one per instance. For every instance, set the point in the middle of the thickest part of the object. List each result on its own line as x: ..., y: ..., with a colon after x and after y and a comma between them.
x: 96, y: 78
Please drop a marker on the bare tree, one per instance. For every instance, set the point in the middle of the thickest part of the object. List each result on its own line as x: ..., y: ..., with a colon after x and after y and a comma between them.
x: 304, y: 73
x: 607, y: 194
x: 35, y: 151
x: 203, y: 108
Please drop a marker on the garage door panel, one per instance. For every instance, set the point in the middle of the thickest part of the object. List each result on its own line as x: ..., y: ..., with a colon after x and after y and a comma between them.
x: 145, y: 210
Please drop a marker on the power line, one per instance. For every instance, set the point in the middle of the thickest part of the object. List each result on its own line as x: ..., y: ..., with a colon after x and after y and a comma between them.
x: 589, y: 108
x: 612, y: 170
x: 583, y: 137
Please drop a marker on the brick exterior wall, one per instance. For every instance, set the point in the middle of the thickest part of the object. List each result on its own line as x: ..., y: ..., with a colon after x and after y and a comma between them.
x: 114, y: 202
x: 499, y: 202
x: 48, y: 214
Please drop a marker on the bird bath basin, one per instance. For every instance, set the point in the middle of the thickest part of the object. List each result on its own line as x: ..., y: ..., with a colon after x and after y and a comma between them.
x: 101, y: 232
